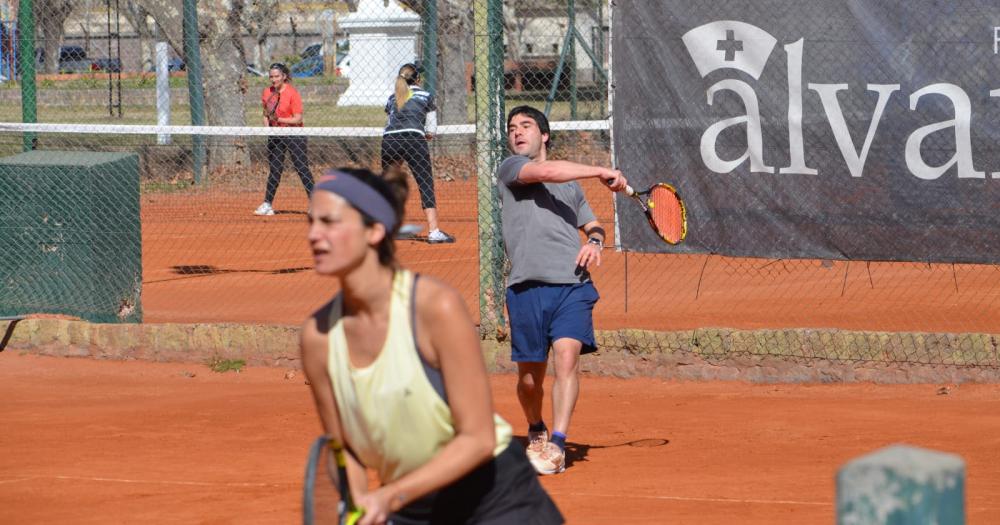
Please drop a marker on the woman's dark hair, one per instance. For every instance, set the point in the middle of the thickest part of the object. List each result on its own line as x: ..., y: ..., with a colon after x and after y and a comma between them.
x: 284, y: 70
x: 392, y: 185
x: 540, y: 119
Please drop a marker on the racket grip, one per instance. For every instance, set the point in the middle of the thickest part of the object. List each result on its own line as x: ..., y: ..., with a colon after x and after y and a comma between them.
x: 628, y: 189
x: 354, y: 516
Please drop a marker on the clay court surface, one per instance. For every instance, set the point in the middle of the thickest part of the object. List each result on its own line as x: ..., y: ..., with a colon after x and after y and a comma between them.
x: 206, y: 258
x: 99, y: 442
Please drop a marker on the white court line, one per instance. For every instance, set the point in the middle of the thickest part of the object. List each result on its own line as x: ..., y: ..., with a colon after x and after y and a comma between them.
x: 149, y: 482
x: 684, y: 498
x: 14, y: 480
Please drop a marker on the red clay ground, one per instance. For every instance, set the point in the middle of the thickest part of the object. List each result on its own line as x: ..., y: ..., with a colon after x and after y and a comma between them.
x: 131, y: 442
x: 206, y: 258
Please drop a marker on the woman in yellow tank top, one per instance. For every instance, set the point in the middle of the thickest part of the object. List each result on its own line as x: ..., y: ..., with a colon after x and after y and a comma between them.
x: 397, y: 374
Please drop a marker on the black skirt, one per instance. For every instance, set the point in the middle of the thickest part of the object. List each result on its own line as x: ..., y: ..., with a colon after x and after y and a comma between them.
x: 501, y: 491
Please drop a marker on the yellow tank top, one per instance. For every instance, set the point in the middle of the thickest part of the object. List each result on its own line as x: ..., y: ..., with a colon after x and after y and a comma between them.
x: 391, y: 414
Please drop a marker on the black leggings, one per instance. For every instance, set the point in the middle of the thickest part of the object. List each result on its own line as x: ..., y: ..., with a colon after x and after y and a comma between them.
x: 296, y: 148
x: 411, y: 146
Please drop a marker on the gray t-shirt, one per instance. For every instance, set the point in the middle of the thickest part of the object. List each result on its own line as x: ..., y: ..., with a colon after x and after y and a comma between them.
x: 541, y: 223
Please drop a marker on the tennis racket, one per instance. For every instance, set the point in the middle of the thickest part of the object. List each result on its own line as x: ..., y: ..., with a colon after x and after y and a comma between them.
x: 326, y: 494
x: 408, y: 231
x: 664, y: 209
x: 271, y: 106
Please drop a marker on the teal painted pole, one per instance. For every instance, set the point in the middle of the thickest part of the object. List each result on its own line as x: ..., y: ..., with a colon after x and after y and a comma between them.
x: 26, y: 64
x: 559, y: 69
x: 429, y: 48
x: 196, y: 91
x: 491, y: 145
x: 902, y: 484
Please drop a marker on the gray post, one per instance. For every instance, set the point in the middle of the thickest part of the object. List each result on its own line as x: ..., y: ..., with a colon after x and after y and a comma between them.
x: 901, y: 485
x: 571, y: 16
x: 162, y: 90
x: 26, y: 64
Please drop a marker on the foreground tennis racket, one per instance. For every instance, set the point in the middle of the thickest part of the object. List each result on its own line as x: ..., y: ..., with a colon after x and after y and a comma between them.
x: 326, y: 494
x: 664, y: 211
x: 271, y: 106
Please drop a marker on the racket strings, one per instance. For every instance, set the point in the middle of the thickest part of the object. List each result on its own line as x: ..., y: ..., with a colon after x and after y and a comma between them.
x: 667, y: 214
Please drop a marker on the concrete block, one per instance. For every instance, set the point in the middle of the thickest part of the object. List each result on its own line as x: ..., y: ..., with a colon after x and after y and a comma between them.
x: 901, y: 484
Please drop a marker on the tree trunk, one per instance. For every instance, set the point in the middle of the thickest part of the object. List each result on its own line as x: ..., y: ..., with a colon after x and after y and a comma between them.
x: 455, y: 57
x: 138, y: 18
x: 257, y: 19
x: 223, y: 69
x: 50, y: 19
x: 454, y: 54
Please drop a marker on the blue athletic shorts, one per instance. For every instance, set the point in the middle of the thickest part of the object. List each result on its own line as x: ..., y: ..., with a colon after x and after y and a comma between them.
x: 541, y: 313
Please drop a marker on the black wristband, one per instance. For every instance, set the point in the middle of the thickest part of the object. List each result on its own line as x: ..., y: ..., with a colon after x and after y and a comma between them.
x: 595, y: 241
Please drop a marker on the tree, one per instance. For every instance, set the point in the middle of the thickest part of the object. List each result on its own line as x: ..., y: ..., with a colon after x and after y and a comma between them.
x: 258, y: 19
x: 455, y: 31
x: 140, y: 20
x: 50, y: 19
x: 329, y: 34
x: 223, y: 67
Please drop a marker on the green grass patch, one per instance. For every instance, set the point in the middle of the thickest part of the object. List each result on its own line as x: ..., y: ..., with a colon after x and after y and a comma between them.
x: 165, y: 187
x: 221, y: 366
x: 148, y: 80
x: 317, y: 114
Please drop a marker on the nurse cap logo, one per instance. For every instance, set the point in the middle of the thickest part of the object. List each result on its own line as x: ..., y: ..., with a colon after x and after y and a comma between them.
x: 729, y: 44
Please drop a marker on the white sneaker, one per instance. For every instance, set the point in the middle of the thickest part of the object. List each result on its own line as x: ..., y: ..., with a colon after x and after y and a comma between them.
x: 264, y: 209
x: 551, y: 460
x: 536, y: 442
x: 439, y: 237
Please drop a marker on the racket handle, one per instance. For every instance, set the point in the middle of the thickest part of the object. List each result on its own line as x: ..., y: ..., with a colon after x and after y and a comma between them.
x: 354, y: 516
x: 628, y: 189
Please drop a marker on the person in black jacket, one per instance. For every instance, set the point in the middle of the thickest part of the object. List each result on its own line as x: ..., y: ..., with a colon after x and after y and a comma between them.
x: 411, y: 123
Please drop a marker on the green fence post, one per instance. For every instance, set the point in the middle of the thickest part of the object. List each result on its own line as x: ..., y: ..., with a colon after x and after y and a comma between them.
x: 196, y: 93
x: 26, y: 64
x: 490, y: 148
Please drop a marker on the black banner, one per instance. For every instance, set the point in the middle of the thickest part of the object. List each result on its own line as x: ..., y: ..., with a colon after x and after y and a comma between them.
x: 864, y: 129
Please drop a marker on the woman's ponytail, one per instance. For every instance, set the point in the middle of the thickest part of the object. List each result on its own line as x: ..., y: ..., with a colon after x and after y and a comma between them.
x: 407, y: 76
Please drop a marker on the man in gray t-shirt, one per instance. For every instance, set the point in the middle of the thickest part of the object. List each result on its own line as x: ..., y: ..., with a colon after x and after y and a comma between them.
x: 550, y: 298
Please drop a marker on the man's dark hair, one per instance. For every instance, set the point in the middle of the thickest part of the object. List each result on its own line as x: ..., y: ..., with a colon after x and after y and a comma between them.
x: 537, y: 116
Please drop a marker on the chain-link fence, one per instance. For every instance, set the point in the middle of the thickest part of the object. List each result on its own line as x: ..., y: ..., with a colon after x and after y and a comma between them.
x: 212, y: 252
